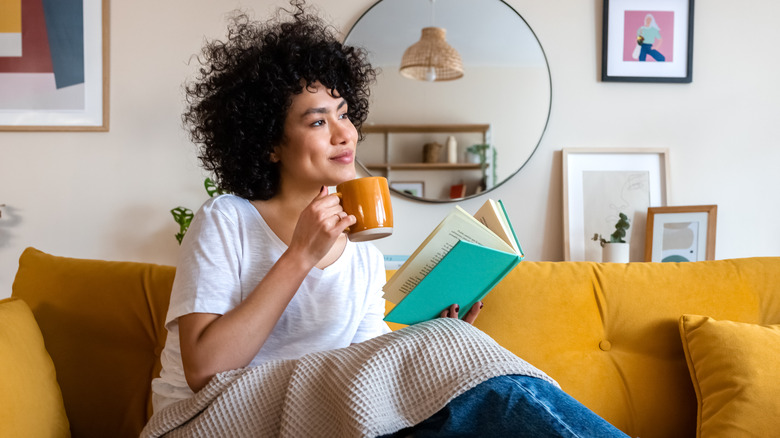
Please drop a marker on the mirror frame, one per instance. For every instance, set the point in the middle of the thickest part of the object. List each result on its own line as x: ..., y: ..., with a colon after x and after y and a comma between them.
x: 530, y: 155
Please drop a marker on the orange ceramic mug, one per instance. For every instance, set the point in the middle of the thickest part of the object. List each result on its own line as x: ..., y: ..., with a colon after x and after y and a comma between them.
x: 368, y: 199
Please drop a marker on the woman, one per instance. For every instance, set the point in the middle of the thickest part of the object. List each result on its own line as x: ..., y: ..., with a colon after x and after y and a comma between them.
x: 650, y: 37
x: 267, y: 272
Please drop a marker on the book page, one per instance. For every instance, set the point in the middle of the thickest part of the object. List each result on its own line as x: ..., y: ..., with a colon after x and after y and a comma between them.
x: 493, y: 216
x: 457, y: 226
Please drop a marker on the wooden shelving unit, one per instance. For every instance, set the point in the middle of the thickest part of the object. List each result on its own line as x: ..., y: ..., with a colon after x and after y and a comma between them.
x: 388, y: 130
x: 423, y: 166
x: 393, y: 160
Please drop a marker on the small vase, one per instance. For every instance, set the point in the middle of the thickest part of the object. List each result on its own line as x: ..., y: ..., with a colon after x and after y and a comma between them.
x: 452, y: 150
x: 615, y: 253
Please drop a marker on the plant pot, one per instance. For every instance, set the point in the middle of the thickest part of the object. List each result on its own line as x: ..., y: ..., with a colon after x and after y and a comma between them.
x: 615, y: 253
x: 473, y: 158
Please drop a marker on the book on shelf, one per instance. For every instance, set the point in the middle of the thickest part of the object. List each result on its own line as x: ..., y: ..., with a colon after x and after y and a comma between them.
x: 458, y: 191
x: 458, y: 263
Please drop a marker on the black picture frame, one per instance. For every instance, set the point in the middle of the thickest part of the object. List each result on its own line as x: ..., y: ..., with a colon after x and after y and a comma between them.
x: 619, y: 16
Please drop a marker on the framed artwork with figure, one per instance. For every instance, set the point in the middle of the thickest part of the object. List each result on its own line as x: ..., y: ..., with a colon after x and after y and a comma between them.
x: 598, y: 185
x: 647, y: 41
x: 681, y: 234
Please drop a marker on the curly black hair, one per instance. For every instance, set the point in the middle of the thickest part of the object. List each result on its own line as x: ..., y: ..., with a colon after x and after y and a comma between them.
x: 239, y: 101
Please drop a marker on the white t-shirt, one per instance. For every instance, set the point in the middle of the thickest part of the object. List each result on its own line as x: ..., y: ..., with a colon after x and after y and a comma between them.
x: 228, y: 249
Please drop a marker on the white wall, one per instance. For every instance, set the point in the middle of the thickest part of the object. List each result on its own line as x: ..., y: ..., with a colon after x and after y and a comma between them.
x: 107, y: 195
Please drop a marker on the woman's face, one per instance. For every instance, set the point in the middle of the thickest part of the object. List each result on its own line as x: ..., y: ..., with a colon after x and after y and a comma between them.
x: 319, y: 140
x: 648, y: 20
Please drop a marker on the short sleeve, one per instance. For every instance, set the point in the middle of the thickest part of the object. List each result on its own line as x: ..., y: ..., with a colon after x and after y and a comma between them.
x: 207, y: 274
x: 373, y: 323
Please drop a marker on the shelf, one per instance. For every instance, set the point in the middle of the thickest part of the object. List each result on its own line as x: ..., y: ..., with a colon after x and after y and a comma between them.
x: 378, y: 129
x: 424, y: 166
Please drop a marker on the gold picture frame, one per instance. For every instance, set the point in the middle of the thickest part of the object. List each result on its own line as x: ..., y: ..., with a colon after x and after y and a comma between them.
x: 680, y: 234
x: 36, y: 96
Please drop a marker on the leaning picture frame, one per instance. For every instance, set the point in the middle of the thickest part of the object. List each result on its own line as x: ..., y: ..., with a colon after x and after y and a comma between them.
x: 647, y: 41
x: 601, y: 183
x: 681, y: 234
x: 413, y: 188
x: 54, y: 71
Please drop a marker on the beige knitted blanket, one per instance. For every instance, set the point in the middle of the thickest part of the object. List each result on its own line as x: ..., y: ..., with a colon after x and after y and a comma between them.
x: 368, y: 389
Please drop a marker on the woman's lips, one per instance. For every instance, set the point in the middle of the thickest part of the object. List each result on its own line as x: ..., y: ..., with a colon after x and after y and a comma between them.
x: 343, y: 158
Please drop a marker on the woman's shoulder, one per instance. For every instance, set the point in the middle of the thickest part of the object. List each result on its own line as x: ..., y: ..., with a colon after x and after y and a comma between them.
x: 228, y: 205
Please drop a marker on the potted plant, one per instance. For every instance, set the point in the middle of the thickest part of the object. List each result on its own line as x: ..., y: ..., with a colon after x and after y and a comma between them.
x: 478, y: 154
x: 616, y: 249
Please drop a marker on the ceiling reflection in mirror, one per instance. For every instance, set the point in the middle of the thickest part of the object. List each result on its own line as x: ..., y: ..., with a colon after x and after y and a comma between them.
x: 506, y: 85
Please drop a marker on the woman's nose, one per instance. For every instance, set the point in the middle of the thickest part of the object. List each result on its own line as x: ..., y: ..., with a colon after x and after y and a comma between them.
x: 342, y: 132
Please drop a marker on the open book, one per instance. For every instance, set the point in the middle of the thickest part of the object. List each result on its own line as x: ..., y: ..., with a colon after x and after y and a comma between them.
x: 459, y: 262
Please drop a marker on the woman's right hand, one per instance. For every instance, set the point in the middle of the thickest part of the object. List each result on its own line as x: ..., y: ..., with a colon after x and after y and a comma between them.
x: 469, y: 317
x: 319, y: 226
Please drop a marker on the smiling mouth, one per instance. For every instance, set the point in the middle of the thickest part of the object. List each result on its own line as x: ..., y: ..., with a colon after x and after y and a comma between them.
x: 343, y: 158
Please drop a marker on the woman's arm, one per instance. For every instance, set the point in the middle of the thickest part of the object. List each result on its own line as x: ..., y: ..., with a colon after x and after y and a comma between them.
x: 212, y: 343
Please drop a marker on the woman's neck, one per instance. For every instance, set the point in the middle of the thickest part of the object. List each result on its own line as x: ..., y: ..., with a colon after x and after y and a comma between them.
x: 282, y: 211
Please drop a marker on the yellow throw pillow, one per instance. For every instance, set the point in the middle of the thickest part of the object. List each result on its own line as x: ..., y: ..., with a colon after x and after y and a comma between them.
x: 30, y: 398
x: 735, y: 372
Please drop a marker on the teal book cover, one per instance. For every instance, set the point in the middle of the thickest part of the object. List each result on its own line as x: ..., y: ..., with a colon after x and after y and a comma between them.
x: 464, y: 276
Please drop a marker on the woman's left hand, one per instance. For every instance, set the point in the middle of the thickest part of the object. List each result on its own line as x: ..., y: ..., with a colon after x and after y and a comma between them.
x: 471, y: 315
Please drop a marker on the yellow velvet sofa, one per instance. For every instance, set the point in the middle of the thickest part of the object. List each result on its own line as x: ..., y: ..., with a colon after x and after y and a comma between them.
x: 634, y: 342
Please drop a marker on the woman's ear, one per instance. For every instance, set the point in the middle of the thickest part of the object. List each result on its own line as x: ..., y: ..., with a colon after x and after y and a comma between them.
x: 274, y: 155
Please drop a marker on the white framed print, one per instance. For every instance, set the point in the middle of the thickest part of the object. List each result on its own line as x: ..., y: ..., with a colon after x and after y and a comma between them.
x: 598, y: 185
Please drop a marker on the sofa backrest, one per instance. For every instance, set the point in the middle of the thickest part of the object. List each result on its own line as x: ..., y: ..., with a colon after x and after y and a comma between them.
x: 102, y: 324
x: 608, y: 333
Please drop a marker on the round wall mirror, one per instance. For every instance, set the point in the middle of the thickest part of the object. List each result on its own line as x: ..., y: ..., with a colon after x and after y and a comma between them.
x: 441, y: 141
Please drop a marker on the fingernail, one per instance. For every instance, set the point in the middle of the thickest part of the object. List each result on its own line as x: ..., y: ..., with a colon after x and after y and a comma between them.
x: 457, y: 309
x: 481, y: 305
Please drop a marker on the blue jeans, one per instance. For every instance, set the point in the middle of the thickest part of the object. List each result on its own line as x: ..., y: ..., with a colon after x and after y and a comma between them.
x: 647, y: 49
x: 513, y: 406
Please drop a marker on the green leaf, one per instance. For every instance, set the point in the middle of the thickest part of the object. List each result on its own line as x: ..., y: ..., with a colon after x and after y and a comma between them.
x: 212, y: 188
x: 183, y: 216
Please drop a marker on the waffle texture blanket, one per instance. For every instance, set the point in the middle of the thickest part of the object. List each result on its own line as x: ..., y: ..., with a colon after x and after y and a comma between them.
x: 373, y: 388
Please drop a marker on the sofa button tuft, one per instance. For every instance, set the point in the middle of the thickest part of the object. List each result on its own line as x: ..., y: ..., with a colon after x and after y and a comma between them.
x: 605, y: 345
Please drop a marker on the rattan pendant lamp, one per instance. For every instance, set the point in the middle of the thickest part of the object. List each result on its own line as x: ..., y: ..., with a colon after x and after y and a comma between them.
x: 431, y: 58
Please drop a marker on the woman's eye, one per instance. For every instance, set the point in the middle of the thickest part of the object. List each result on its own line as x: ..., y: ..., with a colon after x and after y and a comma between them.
x: 318, y: 123
x: 344, y: 116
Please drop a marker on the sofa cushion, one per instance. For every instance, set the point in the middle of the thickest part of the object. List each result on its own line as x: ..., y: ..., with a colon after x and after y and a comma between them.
x: 734, y: 370
x: 102, y: 323
x: 31, y: 401
x: 609, y: 333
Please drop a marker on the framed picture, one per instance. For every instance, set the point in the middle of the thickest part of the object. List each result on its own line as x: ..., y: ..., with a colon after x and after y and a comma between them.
x: 681, y: 234
x: 54, y: 65
x: 598, y: 185
x: 414, y: 188
x: 647, y: 41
